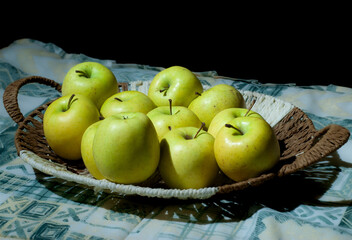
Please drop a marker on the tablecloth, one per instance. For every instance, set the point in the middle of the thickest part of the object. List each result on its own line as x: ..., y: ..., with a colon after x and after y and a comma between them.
x: 314, y: 203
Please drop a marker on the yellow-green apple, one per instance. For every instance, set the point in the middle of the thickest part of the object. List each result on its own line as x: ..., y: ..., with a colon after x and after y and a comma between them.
x: 91, y: 79
x: 187, y: 158
x: 246, y: 147
x: 176, y: 83
x: 214, y: 100
x: 87, y: 150
x: 126, y: 148
x: 227, y: 115
x: 127, y: 101
x: 65, y: 121
x: 170, y: 117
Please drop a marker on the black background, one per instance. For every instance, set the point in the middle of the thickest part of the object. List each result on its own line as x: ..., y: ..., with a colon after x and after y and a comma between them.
x: 306, y: 45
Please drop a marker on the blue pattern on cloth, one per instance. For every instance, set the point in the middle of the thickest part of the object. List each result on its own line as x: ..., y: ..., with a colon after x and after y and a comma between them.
x: 314, y: 203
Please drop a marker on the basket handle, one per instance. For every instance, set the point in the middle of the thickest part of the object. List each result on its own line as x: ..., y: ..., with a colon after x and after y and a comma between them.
x: 327, y: 140
x: 10, y: 97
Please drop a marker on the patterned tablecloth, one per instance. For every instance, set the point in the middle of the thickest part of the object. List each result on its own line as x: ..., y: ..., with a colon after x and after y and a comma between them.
x: 314, y: 203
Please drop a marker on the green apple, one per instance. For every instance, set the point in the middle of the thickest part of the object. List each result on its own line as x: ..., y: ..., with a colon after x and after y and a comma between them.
x: 214, y: 100
x: 187, y: 158
x: 246, y: 147
x: 126, y: 148
x: 87, y: 150
x: 176, y: 83
x: 127, y: 101
x: 227, y: 115
x: 91, y: 79
x: 170, y: 117
x: 65, y: 121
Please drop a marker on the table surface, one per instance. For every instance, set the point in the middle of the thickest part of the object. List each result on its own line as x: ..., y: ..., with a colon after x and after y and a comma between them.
x: 314, y: 203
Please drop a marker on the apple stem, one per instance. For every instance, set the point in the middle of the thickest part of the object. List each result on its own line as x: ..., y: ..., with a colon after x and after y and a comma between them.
x: 201, y: 127
x: 118, y: 99
x: 169, y: 127
x: 170, y: 101
x: 82, y: 74
x: 199, y: 94
x: 70, y: 101
x: 231, y: 126
x: 250, y: 107
x: 164, y: 90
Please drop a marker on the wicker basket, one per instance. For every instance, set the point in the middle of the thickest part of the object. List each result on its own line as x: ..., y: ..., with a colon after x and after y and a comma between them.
x: 301, y: 145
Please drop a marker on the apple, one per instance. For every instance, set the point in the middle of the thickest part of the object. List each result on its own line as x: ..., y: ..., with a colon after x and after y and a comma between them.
x: 127, y: 101
x: 227, y: 115
x: 87, y: 150
x: 214, y: 100
x: 166, y: 118
x: 91, y: 79
x: 126, y: 148
x: 176, y: 83
x: 65, y: 121
x: 187, y: 158
x: 246, y: 147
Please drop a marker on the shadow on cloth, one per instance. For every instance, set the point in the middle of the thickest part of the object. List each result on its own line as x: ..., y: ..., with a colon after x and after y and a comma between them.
x: 285, y: 194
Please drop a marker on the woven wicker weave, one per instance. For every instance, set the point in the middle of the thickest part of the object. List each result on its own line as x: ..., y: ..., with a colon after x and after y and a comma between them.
x: 301, y: 145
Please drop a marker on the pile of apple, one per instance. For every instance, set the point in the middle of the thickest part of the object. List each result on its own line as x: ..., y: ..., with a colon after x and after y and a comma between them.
x: 188, y: 134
